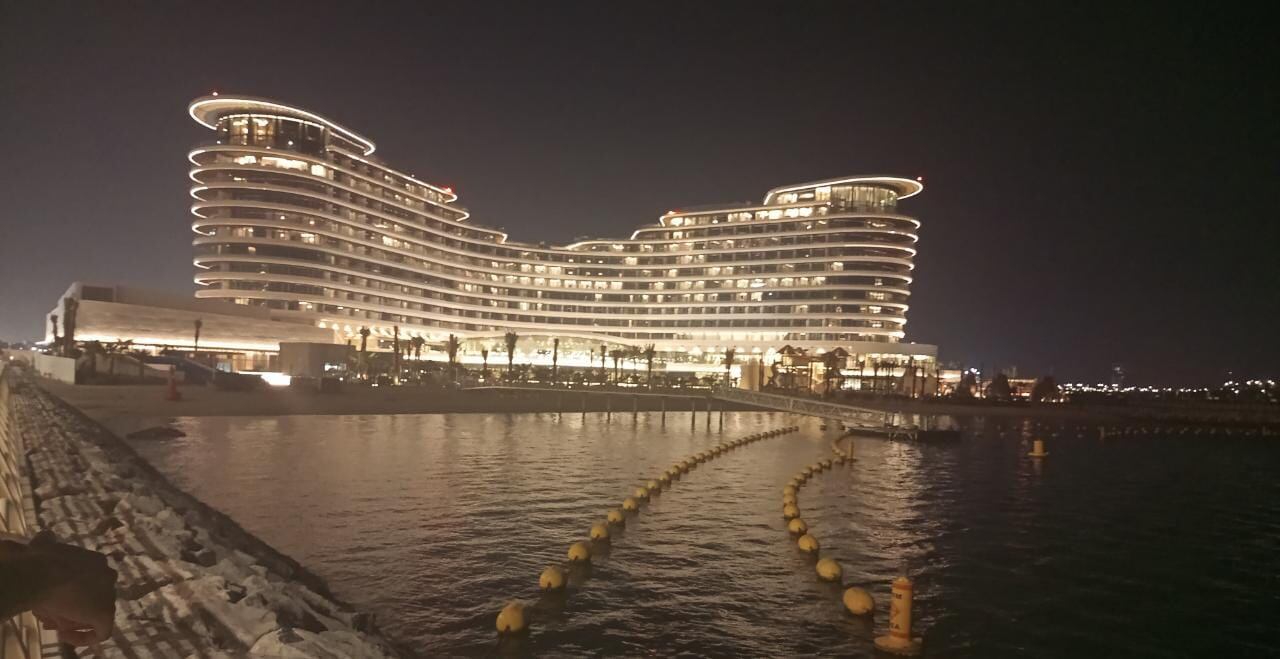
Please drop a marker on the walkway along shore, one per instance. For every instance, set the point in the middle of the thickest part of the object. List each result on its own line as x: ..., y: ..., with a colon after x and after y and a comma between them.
x: 124, y: 409
x: 192, y: 582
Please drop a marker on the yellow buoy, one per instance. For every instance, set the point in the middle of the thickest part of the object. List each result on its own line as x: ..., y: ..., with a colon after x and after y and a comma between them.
x: 828, y: 570
x: 511, y: 619
x: 641, y: 494
x: 826, y: 464
x: 665, y: 479
x: 630, y: 505
x: 815, y: 467
x: 600, y: 532
x: 579, y: 552
x: 858, y: 601
x: 653, y: 486
x: 1037, y: 449
x: 797, y: 526
x: 807, y: 544
x: 788, y: 498
x: 795, y: 482
x: 790, y: 511
x: 615, y: 516
x: 898, y: 640
x: 790, y: 489
x: 808, y: 471
x: 552, y: 578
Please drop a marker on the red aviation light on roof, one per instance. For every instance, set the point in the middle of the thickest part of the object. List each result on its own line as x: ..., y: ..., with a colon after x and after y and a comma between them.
x: 447, y: 189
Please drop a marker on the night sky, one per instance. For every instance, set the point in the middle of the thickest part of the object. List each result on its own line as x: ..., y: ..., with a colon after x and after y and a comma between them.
x: 1101, y: 182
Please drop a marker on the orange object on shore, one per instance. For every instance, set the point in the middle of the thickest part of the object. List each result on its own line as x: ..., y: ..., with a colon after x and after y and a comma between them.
x: 172, y: 393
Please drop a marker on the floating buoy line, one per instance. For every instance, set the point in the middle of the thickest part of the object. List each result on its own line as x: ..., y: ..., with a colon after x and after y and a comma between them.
x: 857, y: 601
x: 514, y: 618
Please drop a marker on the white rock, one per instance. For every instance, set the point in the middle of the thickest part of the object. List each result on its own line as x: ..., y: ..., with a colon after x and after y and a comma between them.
x: 139, y: 505
x: 190, y: 603
x: 230, y: 571
x: 171, y: 520
x: 302, y: 644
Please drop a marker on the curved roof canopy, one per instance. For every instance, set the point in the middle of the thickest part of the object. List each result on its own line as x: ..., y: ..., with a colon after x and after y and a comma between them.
x: 208, y: 109
x: 905, y: 187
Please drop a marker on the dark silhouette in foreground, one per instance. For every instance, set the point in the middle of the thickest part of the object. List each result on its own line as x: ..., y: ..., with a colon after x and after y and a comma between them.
x: 68, y: 588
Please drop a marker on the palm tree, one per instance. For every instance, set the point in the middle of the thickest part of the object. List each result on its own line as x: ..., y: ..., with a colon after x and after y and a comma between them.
x: 650, y: 352
x: 617, y: 356
x: 364, y: 352
x: 729, y: 355
x: 555, y: 359
x: 484, y: 355
x: 395, y: 352
x: 451, y: 347
x: 195, y: 346
x: 831, y: 366
x: 510, y: 338
x: 634, y: 354
x: 70, y: 306
x: 53, y: 319
x: 416, y: 343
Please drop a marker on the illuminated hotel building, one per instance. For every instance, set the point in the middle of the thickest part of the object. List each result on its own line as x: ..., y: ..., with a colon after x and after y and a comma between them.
x: 294, y: 214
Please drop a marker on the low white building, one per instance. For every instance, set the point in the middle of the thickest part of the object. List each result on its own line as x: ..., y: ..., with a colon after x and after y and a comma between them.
x: 248, y: 338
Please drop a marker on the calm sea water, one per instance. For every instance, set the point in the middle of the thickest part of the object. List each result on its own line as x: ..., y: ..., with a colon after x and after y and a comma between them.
x: 1153, y: 547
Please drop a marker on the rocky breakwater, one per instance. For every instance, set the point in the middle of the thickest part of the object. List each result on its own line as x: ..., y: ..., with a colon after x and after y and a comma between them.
x: 192, y: 582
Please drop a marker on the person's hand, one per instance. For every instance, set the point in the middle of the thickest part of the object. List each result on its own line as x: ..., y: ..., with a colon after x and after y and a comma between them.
x: 79, y: 599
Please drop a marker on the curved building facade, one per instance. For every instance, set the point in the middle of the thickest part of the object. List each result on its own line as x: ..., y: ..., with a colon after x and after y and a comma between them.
x: 293, y: 213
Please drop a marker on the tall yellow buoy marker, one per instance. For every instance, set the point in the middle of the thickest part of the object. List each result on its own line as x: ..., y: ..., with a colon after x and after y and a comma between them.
x: 898, y: 640
x: 1037, y: 449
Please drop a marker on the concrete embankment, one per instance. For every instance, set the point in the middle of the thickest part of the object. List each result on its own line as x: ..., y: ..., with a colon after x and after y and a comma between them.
x: 128, y: 408
x: 192, y: 582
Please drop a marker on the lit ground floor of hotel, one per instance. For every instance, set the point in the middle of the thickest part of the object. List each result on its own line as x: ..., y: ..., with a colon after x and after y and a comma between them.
x: 250, y: 339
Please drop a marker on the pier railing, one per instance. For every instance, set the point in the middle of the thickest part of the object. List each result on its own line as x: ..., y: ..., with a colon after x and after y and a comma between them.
x: 852, y: 415
x: 20, y: 636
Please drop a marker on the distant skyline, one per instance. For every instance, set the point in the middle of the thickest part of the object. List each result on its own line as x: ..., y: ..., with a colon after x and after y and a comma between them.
x: 1099, y: 177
